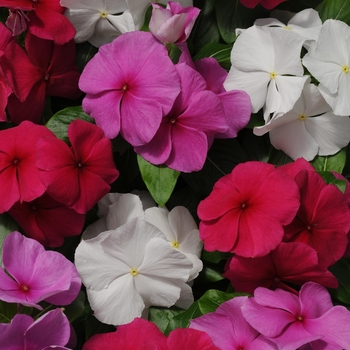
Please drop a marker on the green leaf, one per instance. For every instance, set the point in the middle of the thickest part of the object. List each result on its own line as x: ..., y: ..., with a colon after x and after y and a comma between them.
x: 341, y: 270
x: 221, y: 52
x: 84, y: 53
x: 335, y: 9
x: 7, y: 311
x: 59, y: 122
x: 335, y: 162
x: 215, y: 257
x: 211, y: 274
x: 94, y: 326
x: 159, y: 179
x: 7, y: 225
x: 162, y: 316
x: 76, y: 308
x: 329, y: 178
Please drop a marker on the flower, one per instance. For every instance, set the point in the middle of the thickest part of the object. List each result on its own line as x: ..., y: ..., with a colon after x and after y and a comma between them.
x: 268, y: 4
x: 135, y: 263
x: 173, y: 24
x: 34, y: 274
x: 181, y: 142
x: 329, y: 62
x: 50, y: 70
x: 266, y: 64
x: 245, y: 216
x: 309, y: 128
x: 78, y: 176
x: 51, y: 330
x: 291, y: 321
x: 291, y: 263
x: 130, y: 84
x: 19, y: 174
x: 41, y: 219
x: 229, y: 330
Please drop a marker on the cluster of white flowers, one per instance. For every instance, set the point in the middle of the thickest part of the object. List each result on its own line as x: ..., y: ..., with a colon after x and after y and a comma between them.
x: 138, y: 255
x: 303, y: 119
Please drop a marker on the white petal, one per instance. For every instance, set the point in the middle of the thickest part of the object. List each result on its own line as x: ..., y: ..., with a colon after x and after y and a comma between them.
x: 79, y: 4
x: 124, y: 23
x: 306, y: 23
x: 159, y: 218
x: 197, y: 265
x: 315, y: 104
x: 262, y: 22
x: 95, y: 229
x: 186, y: 297
x: 105, y: 32
x: 273, y: 100
x: 105, y: 202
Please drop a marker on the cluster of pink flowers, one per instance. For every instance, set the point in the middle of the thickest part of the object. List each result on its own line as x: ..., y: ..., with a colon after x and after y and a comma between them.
x: 287, y: 228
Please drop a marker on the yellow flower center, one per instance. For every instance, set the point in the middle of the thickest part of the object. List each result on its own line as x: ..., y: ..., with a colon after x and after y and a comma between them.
x: 302, y: 117
x: 273, y: 75
x: 287, y: 28
x: 345, y: 69
x: 103, y: 14
x: 134, y: 272
x: 175, y: 244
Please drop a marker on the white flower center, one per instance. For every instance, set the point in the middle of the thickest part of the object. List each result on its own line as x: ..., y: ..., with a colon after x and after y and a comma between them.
x: 345, y: 69
x: 103, y: 14
x: 175, y: 244
x: 287, y: 28
x: 302, y: 117
x: 134, y: 272
x: 273, y: 75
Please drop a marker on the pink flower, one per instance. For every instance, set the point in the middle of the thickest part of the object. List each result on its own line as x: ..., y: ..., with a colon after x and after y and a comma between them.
x: 245, y: 216
x: 42, y: 219
x: 289, y: 264
x: 34, y: 274
x: 45, y: 19
x: 52, y: 330
x: 173, y: 24
x: 228, y: 329
x: 291, y: 321
x: 77, y: 176
x: 50, y: 70
x: 19, y: 175
x: 131, y: 84
x: 181, y: 141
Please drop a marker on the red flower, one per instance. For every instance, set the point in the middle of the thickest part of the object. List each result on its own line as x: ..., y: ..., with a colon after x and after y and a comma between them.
x: 295, y: 263
x: 323, y: 219
x: 19, y: 176
x: 245, y: 211
x: 78, y: 176
x: 268, y: 4
x: 45, y: 69
x: 45, y: 18
x: 47, y: 221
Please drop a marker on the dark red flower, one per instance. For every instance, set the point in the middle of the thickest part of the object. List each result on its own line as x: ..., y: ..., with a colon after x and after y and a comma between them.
x: 268, y: 4
x: 78, y: 176
x: 295, y: 263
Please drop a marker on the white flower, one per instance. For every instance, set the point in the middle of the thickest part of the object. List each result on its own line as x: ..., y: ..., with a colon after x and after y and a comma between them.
x: 310, y: 128
x: 328, y: 61
x: 129, y: 269
x: 266, y: 64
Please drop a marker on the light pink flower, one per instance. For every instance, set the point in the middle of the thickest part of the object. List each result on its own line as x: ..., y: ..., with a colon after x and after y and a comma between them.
x: 173, y: 24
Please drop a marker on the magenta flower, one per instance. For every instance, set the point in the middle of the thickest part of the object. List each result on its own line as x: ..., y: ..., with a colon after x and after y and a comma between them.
x: 173, y: 24
x: 228, y: 329
x: 34, y: 274
x: 77, y: 176
x: 245, y: 216
x: 181, y: 141
x: 131, y: 84
x: 52, y: 330
x: 291, y: 321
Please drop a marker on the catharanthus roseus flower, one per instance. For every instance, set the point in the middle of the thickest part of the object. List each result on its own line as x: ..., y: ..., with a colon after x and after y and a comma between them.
x: 172, y: 24
x: 181, y: 142
x: 77, y: 176
x: 290, y: 263
x: 291, y: 321
x: 328, y: 61
x: 50, y: 70
x: 141, y: 334
x: 130, y: 84
x: 45, y: 19
x: 229, y: 330
x: 17, y: 21
x: 41, y: 219
x: 19, y: 174
x: 269, y: 4
x: 245, y: 216
x: 50, y: 331
x: 34, y: 274
x: 129, y: 269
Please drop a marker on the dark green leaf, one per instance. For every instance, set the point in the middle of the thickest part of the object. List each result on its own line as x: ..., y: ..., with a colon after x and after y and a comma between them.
x: 341, y: 271
x: 7, y: 311
x: 214, y: 257
x: 94, y: 326
x: 7, y: 225
x: 159, y: 179
x: 335, y: 9
x: 330, y: 163
x: 221, y: 52
x: 84, y: 53
x: 76, y: 308
x: 162, y: 316
x: 329, y: 178
x: 59, y: 122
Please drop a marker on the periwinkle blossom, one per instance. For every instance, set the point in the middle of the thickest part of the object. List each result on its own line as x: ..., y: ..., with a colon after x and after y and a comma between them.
x: 266, y: 64
x: 172, y: 24
x: 268, y: 4
x: 131, y: 84
x: 50, y: 331
x: 291, y: 321
x: 34, y: 274
x: 309, y: 128
x: 328, y: 60
x: 129, y: 269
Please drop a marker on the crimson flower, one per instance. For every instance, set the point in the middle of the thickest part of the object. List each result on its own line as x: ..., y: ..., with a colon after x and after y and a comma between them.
x: 268, y: 4
x: 45, y: 18
x: 43, y: 69
x: 19, y: 175
x: 294, y: 263
x: 41, y: 219
x: 246, y: 211
x: 78, y: 176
